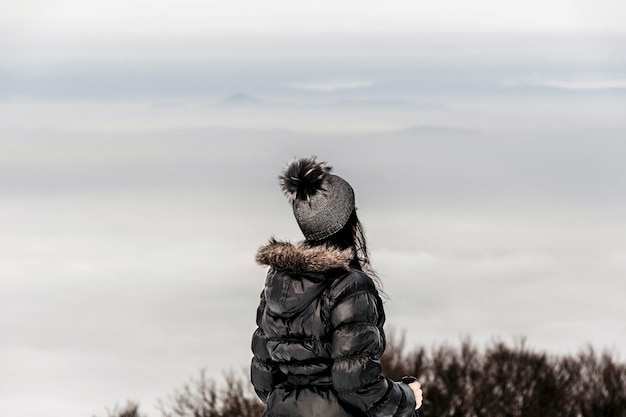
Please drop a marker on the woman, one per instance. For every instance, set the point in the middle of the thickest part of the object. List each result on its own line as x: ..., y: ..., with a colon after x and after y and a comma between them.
x: 320, y: 320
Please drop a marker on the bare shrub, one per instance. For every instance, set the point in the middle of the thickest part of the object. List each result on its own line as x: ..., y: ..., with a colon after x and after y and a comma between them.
x: 510, y: 381
x: 131, y: 409
x: 203, y: 397
x: 458, y: 381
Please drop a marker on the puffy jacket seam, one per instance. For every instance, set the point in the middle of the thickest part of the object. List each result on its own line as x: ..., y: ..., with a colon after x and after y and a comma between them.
x: 260, y: 332
x: 310, y: 361
x: 294, y: 339
x: 269, y: 363
x: 361, y: 356
x: 343, y: 298
x: 289, y: 339
x: 355, y: 324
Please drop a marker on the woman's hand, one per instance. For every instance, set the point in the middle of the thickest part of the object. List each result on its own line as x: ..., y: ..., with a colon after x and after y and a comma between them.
x: 417, y: 390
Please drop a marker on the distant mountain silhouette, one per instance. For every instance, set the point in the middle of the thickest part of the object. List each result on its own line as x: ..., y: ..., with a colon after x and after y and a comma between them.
x: 240, y: 99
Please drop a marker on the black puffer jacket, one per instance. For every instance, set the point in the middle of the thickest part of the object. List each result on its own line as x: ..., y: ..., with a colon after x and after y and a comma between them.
x: 319, y: 338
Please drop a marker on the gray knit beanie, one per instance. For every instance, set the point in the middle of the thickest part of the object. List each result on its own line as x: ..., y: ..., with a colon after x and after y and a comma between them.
x: 322, y: 202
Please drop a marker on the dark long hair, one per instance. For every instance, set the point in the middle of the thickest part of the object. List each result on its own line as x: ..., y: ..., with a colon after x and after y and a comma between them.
x: 352, y: 236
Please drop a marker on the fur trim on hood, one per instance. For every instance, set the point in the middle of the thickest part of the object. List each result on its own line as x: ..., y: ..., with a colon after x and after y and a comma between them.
x: 303, y: 257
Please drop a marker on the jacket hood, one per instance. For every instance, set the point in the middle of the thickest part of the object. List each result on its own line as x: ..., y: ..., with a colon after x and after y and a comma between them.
x: 303, y: 257
x: 299, y: 274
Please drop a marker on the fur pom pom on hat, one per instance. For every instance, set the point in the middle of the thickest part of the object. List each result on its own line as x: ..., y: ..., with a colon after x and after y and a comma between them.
x: 303, y: 178
x: 322, y: 202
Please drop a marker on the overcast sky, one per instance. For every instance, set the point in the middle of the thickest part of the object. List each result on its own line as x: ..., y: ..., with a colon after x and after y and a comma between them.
x: 284, y: 16
x: 140, y: 145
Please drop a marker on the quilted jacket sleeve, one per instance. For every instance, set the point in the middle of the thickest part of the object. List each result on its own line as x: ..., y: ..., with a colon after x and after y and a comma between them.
x: 264, y: 372
x: 358, y: 342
